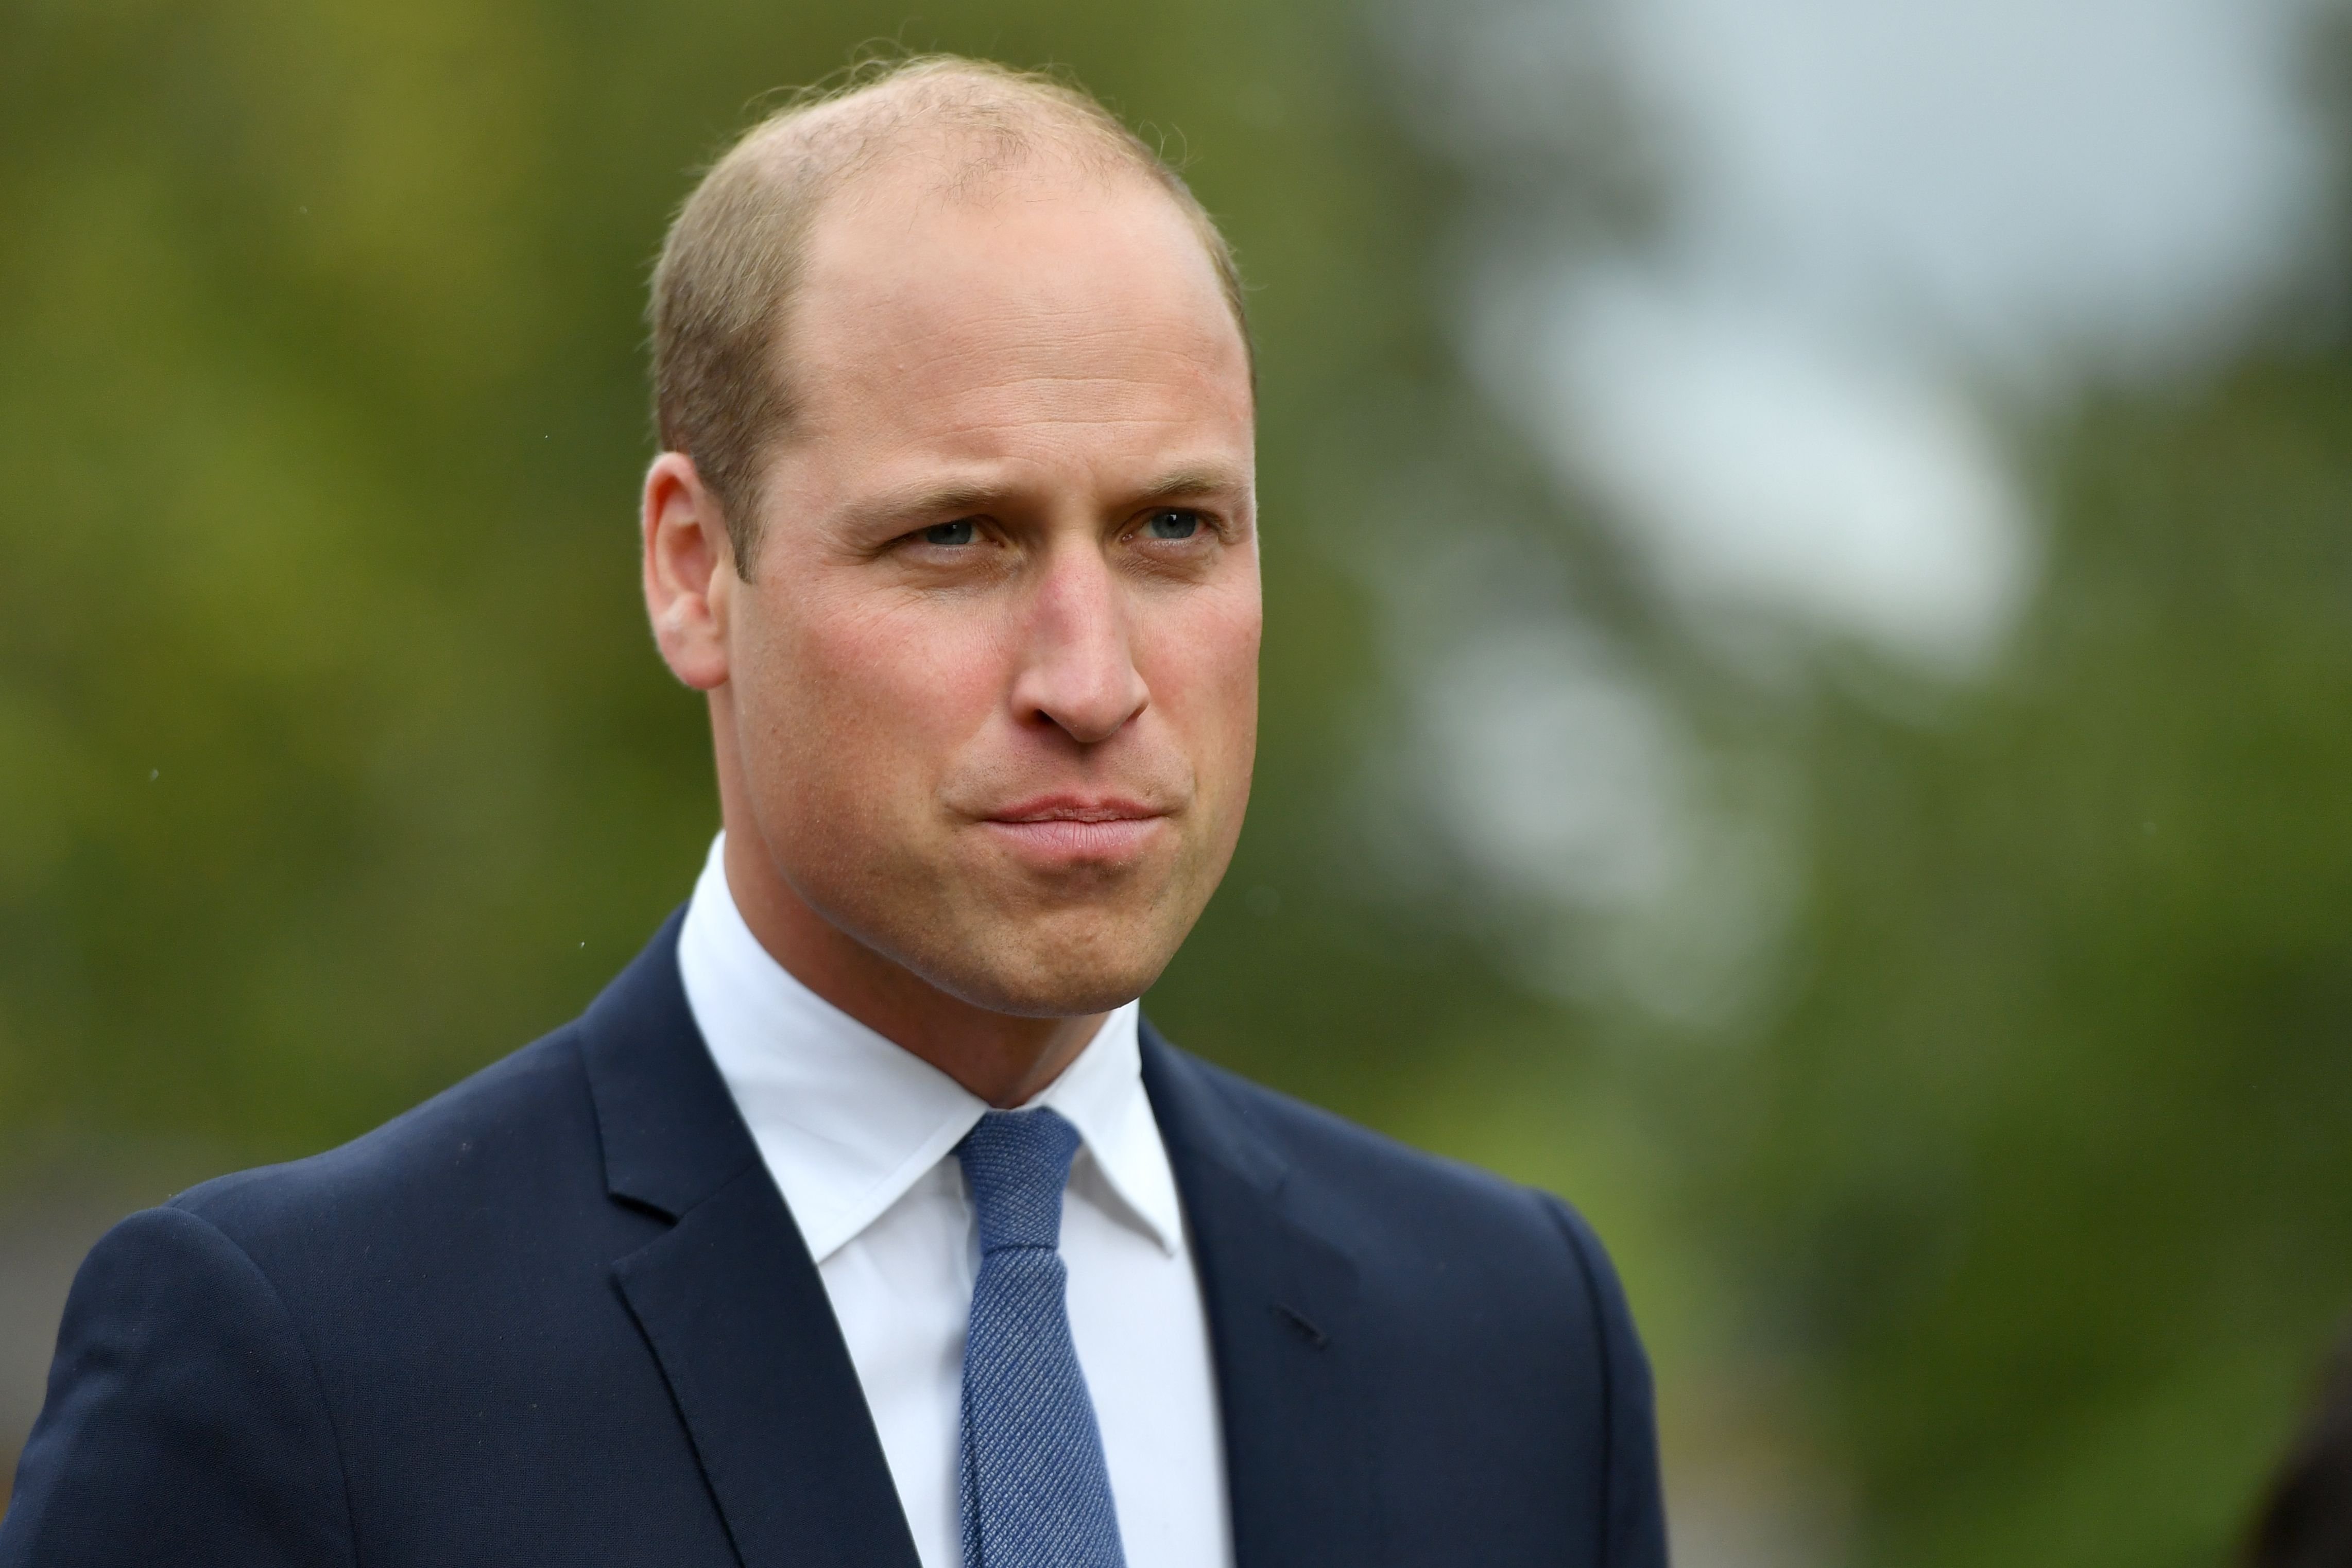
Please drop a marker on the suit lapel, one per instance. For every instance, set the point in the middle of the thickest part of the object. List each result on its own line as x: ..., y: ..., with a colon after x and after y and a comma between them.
x: 1285, y: 1328
x: 727, y: 1298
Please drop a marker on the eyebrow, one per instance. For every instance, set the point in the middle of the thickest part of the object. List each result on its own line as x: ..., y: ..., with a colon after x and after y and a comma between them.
x: 946, y: 500
x: 1180, y: 482
x: 959, y: 500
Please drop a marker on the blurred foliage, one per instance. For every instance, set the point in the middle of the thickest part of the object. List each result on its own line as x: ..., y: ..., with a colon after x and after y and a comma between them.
x: 2040, y: 1164
x: 2050, y: 1155
x: 334, y: 760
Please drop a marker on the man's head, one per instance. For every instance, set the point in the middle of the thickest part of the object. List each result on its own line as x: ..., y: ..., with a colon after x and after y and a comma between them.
x: 956, y: 526
x: 732, y: 265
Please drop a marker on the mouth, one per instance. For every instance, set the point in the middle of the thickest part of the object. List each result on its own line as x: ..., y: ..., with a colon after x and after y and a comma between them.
x: 1070, y: 829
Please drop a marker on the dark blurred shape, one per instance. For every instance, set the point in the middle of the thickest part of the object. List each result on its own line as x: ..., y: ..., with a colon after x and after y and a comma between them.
x: 2306, y: 1519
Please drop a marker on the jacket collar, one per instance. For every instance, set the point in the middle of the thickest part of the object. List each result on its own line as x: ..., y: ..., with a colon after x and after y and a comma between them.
x: 671, y: 1133
x: 728, y: 1298
x: 1285, y: 1326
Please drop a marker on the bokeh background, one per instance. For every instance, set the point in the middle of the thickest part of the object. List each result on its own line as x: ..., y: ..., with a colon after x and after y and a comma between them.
x: 1809, y: 676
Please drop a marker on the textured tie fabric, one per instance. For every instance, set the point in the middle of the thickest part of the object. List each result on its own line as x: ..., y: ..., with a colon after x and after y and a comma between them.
x: 1035, y: 1491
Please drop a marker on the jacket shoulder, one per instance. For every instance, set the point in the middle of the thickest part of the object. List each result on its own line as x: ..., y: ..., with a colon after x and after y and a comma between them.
x: 1491, y: 1310
x: 171, y: 1333
x: 1395, y: 1200
x: 518, y: 1130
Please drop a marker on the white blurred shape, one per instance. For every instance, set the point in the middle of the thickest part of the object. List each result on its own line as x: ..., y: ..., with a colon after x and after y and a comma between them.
x: 1555, y: 774
x: 2010, y: 180
x: 1560, y: 776
x: 1866, y: 213
x: 1766, y: 468
x: 1765, y: 283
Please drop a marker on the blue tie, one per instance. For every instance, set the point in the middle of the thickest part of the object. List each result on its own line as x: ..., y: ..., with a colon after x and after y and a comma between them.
x: 1035, y: 1491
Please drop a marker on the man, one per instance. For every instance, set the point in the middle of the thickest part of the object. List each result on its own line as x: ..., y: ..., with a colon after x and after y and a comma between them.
x: 862, y: 1221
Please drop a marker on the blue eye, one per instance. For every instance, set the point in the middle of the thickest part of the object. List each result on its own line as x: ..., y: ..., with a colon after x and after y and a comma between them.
x: 1173, y: 525
x: 963, y: 531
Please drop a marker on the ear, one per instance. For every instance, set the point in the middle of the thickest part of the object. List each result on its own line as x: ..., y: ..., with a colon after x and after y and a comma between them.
x: 690, y: 568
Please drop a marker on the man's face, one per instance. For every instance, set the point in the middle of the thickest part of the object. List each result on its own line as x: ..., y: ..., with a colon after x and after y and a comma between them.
x: 994, y: 687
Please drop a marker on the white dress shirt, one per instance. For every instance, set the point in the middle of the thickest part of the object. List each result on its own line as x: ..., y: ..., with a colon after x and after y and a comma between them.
x: 860, y: 1137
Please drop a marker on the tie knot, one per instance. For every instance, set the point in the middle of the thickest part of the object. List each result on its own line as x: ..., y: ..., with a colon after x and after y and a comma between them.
x: 1015, y: 1163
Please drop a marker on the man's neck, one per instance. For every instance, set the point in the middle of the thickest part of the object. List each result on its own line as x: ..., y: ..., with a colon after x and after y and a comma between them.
x: 1002, y: 1058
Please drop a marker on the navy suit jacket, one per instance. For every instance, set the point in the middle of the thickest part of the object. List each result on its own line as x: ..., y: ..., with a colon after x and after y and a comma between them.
x: 560, y: 1315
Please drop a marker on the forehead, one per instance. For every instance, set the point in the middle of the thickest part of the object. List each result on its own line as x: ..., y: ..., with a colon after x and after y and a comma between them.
x: 1040, y: 297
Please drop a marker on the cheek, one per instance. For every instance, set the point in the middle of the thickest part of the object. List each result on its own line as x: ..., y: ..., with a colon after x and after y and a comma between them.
x: 886, y: 692
x: 1204, y: 676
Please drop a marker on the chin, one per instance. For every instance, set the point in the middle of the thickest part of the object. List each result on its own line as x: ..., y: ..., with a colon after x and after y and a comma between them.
x: 1049, y: 991
x: 1051, y: 970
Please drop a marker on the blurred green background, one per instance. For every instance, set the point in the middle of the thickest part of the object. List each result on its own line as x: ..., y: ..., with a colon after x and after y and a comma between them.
x: 1994, y: 1211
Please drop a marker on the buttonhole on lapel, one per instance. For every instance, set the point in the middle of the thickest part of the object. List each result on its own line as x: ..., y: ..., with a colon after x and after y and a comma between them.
x: 1307, y: 1330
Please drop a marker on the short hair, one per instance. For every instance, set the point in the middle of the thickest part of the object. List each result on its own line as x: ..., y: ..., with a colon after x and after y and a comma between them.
x: 728, y: 269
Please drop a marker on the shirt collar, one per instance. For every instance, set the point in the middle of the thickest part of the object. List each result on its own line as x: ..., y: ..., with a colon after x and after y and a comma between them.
x: 848, y: 1122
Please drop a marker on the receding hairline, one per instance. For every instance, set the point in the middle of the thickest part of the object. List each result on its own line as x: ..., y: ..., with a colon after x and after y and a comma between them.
x: 733, y: 260
x: 997, y: 118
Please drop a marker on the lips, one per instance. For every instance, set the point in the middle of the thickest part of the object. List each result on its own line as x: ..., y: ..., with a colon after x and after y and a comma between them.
x: 1070, y: 827
x: 1076, y: 808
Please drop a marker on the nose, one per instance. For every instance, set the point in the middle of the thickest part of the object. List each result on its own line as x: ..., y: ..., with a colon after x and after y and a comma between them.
x: 1079, y: 670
